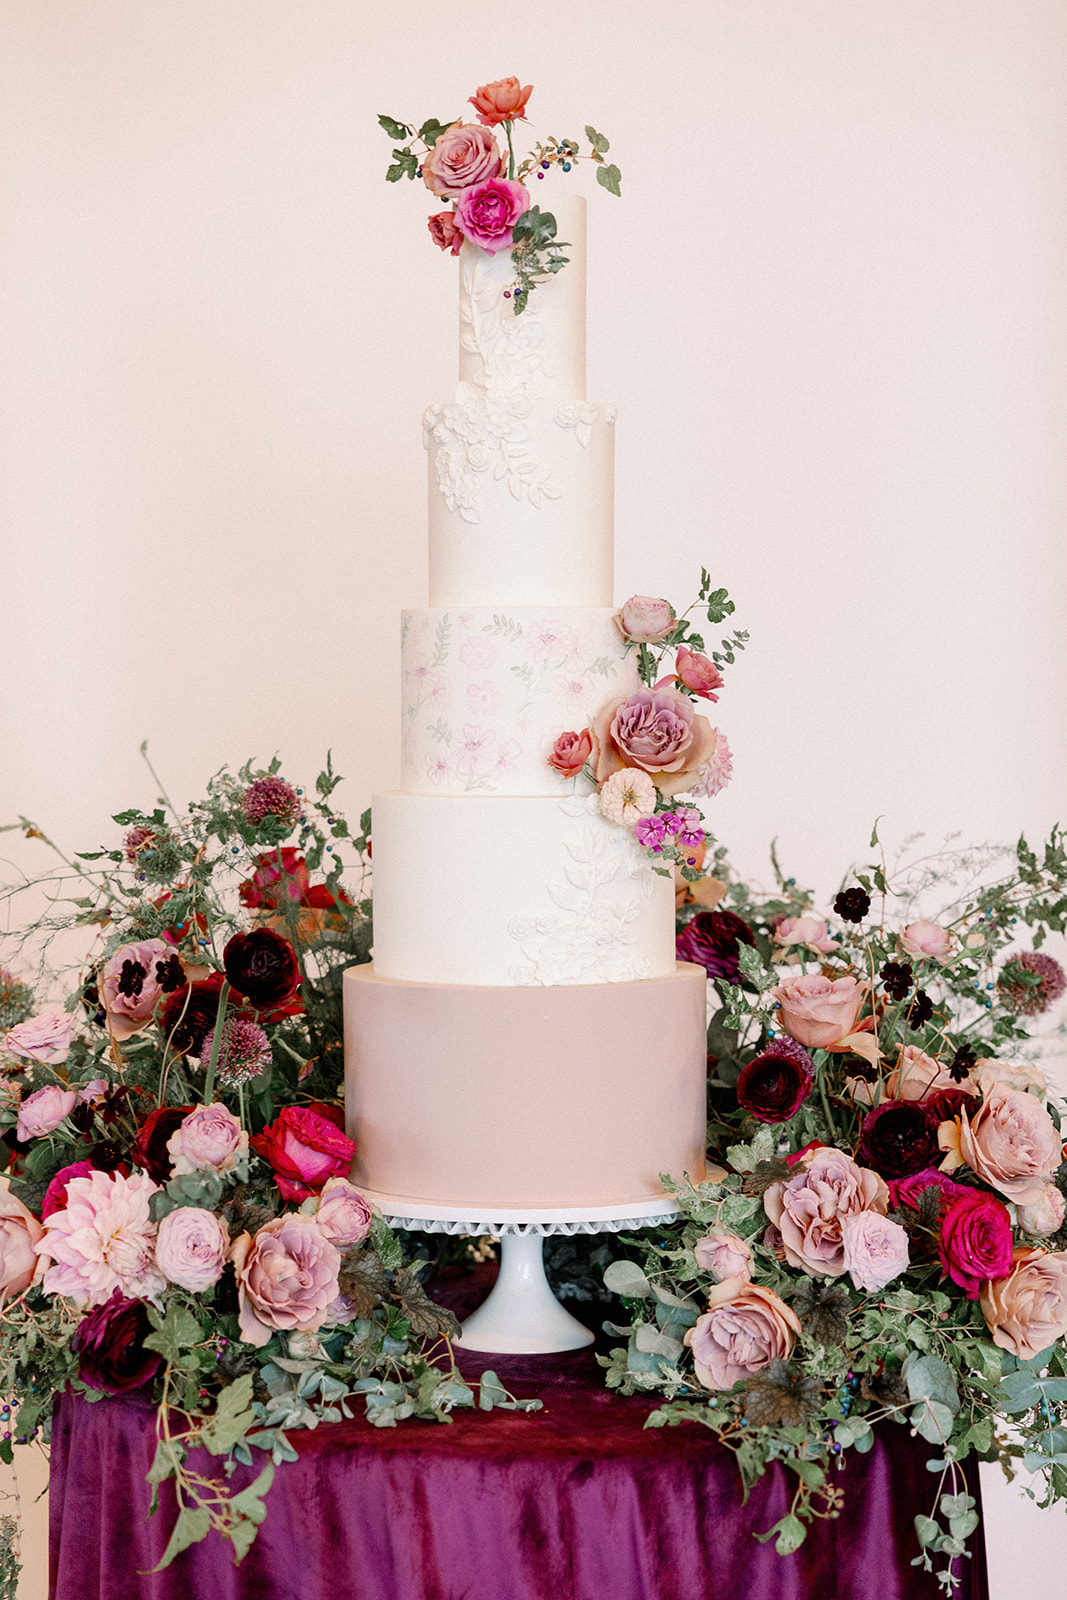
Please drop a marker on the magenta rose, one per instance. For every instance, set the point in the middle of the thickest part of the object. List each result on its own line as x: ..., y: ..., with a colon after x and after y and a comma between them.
x: 109, y: 1344
x: 808, y: 1208
x: 975, y: 1242
x: 286, y: 1278
x: 1026, y: 1311
x: 464, y: 155
x: 42, y: 1111
x: 774, y: 1085
x: 304, y: 1148
x: 262, y: 966
x: 875, y: 1249
x: 19, y: 1233
x: 45, y: 1038
x: 487, y: 213
x: 444, y: 232
x: 908, y: 1190
x: 656, y: 730
x: 342, y: 1213
x: 191, y: 1248
x: 697, y: 672
x: 55, y: 1196
x: 134, y: 981
x: 645, y: 620
x: 570, y: 753
x: 744, y: 1329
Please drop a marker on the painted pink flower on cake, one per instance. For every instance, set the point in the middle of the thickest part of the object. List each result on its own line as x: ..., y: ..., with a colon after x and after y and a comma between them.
x: 744, y: 1329
x: 656, y: 730
x: 286, y: 1278
x: 487, y: 213
x: 1026, y: 1311
x: 104, y: 1239
x: 134, y: 981
x: 45, y: 1038
x: 464, y: 155
x: 191, y: 1248
x: 484, y: 699
x: 1010, y: 1142
x: 808, y: 1208
x: 20, y: 1232
x: 502, y: 101
x: 42, y: 1111
x: 474, y: 755
x: 645, y: 619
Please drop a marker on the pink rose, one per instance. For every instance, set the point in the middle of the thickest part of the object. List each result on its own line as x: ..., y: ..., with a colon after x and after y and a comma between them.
x: 656, y: 730
x: 444, y: 232
x: 342, y: 1213
x: 875, y: 1250
x: 724, y: 1255
x: 44, y: 1038
x: 819, y: 1012
x: 924, y: 938
x: 55, y: 1196
x: 501, y: 101
x: 19, y: 1233
x: 42, y: 1111
x: 645, y: 620
x: 305, y: 1147
x: 697, y: 672
x: 570, y: 753
x: 1026, y: 1311
x: 464, y: 155
x: 134, y: 981
x: 809, y: 1208
x: 1010, y: 1142
x: 1010, y: 1075
x: 917, y: 1076
x: 286, y: 1278
x: 210, y: 1139
x: 744, y: 1329
x: 811, y: 931
x: 191, y: 1248
x: 487, y: 213
x: 1045, y: 1215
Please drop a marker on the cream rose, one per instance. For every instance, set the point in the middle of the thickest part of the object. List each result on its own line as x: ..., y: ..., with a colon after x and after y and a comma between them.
x: 1026, y: 1312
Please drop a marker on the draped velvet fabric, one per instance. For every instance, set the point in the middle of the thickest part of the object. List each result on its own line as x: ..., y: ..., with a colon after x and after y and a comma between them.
x: 575, y: 1502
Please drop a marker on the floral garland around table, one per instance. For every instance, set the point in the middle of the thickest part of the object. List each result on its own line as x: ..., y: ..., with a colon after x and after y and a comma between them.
x: 884, y: 1234
x: 461, y: 162
x: 177, y: 1216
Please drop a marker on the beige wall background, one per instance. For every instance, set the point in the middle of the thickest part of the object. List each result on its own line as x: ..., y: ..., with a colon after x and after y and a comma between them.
x: 830, y: 307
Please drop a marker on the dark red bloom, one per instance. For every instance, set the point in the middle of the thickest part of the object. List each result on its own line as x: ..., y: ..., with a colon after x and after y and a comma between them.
x: 975, y: 1243
x: 149, y: 1149
x: 109, y: 1344
x: 305, y: 1145
x: 852, y: 904
x: 773, y: 1086
x: 712, y: 940
x: 945, y: 1105
x: 262, y: 966
x: 190, y: 1013
x: 898, y: 1137
x: 920, y: 1011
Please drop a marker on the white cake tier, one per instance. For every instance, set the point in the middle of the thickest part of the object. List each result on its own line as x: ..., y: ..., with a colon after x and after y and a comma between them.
x: 541, y: 352
x: 514, y: 890
x: 486, y: 693
x: 521, y: 501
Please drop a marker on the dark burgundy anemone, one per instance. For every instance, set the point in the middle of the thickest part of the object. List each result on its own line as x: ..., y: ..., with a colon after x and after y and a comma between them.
x: 712, y: 940
x: 773, y: 1086
x: 262, y: 966
x: 109, y: 1344
x: 190, y: 1013
x: 149, y: 1149
x: 898, y: 1138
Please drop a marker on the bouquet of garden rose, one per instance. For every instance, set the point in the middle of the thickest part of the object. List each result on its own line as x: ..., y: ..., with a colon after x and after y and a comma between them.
x: 178, y: 1211
x: 884, y: 1236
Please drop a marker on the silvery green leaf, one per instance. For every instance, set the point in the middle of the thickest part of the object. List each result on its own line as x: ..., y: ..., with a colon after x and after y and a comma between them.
x: 932, y: 1420
x: 930, y: 1378
x: 666, y: 1298
x: 650, y: 1341
x: 626, y: 1278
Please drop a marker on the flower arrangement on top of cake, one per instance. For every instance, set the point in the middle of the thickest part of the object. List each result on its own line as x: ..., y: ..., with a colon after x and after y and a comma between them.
x: 462, y: 162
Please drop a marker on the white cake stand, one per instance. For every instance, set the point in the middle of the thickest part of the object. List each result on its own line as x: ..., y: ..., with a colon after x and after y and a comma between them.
x: 521, y: 1315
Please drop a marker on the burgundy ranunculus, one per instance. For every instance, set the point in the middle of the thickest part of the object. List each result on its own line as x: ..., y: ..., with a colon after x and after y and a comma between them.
x: 711, y: 939
x: 773, y: 1086
x: 975, y: 1243
x: 109, y: 1343
x: 262, y: 966
x: 149, y: 1150
x: 305, y: 1146
x: 189, y: 1014
x: 898, y: 1137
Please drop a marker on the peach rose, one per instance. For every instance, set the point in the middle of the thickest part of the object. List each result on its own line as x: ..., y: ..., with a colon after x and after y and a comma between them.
x: 656, y: 730
x: 744, y: 1329
x: 924, y: 938
x: 1010, y: 1142
x: 819, y: 1012
x: 1027, y: 1311
x: 444, y: 232
x: 501, y: 101
x: 19, y: 1232
x: 570, y: 753
x: 808, y: 1208
x: 917, y: 1076
x: 812, y: 931
x: 465, y: 154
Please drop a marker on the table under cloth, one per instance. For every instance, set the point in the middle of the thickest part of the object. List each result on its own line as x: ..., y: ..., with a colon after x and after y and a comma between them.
x: 575, y: 1502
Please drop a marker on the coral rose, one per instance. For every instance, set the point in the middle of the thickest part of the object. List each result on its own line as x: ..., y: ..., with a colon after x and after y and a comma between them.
x: 191, y: 1248
x: 487, y: 213
x: 744, y: 1329
x: 657, y: 730
x: 286, y: 1278
x: 808, y: 1208
x: 444, y: 231
x: 821, y: 1013
x: 19, y: 1233
x: 42, y: 1111
x: 697, y: 672
x: 1026, y: 1311
x: 465, y: 154
x: 45, y: 1038
x: 1010, y: 1142
x: 570, y: 753
x: 305, y: 1148
x: 501, y: 101
x: 645, y: 620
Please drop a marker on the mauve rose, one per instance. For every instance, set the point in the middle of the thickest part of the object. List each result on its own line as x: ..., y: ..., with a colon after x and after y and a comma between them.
x: 45, y: 1038
x: 774, y: 1085
x: 465, y: 154
x: 724, y: 1255
x: 711, y: 940
x: 55, y: 1196
x: 975, y: 1242
x: 19, y: 1233
x: 898, y: 1137
x: 1026, y: 1311
x: 133, y: 982
x: 697, y: 672
x: 276, y: 880
x: 645, y: 620
x: 570, y: 753
x: 811, y: 931
x: 819, y: 1012
x: 444, y: 231
x: 1045, y: 1215
x: 657, y: 730
x: 191, y: 1248
x: 149, y: 1149
x: 501, y: 101
x: 808, y: 1208
x: 42, y: 1111
x: 342, y: 1213
x: 209, y: 1139
x: 875, y: 1249
x: 109, y: 1344
x: 304, y: 1148
x: 286, y: 1278
x: 744, y: 1329
x: 262, y: 966
x: 189, y: 1014
x: 1011, y: 1143
x: 487, y: 213
x: 924, y: 938
x: 917, y: 1076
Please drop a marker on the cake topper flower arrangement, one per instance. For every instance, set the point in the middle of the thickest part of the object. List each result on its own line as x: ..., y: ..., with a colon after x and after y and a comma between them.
x: 883, y: 1238
x: 491, y: 204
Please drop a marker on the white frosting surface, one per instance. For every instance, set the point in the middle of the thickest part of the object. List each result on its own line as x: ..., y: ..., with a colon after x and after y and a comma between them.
x: 486, y: 693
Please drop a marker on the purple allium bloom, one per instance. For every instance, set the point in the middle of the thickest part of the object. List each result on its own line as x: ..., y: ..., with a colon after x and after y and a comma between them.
x: 270, y: 797
x: 712, y: 939
x: 1032, y: 998
x: 243, y: 1054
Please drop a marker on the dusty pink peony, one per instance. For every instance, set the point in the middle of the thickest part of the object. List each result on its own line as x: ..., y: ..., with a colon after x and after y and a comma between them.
x: 1026, y: 1311
x: 645, y: 620
x: 45, y: 1037
x: 42, y: 1111
x: 875, y: 1250
x: 502, y: 101
x: 191, y: 1248
x: 210, y: 1139
x: 487, y: 213
x: 20, y: 1232
x: 465, y: 154
x: 1044, y: 1215
x: 744, y: 1329
x: 809, y: 1208
x: 286, y: 1277
x: 811, y: 931
x: 917, y: 1076
x: 724, y: 1255
x: 134, y: 981
x: 657, y: 730
x: 104, y: 1239
x: 819, y: 1012
x: 697, y: 672
x: 924, y: 938
x: 341, y: 1212
x: 1010, y: 1142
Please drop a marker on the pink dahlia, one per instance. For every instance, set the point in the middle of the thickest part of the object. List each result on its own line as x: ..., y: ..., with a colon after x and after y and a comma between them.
x: 715, y: 773
x: 103, y: 1240
x: 271, y: 797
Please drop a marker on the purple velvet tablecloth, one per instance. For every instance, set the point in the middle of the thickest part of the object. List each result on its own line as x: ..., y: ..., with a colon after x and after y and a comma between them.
x: 575, y: 1502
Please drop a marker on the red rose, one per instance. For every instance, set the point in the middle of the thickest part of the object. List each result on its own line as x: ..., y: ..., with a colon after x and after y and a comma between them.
x: 262, y: 966
x: 109, y: 1343
x: 305, y: 1147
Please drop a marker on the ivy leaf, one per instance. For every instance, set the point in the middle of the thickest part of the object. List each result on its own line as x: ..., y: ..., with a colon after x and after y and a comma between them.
x: 430, y: 131
x: 233, y: 1416
x: 609, y: 178
x: 406, y: 164
x: 178, y: 1330
x: 395, y: 130
x: 597, y: 140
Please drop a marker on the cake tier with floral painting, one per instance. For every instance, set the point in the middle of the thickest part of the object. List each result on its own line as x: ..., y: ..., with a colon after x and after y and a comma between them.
x: 525, y: 1037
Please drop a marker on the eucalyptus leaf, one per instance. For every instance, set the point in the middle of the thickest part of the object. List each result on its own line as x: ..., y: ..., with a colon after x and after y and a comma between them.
x: 650, y: 1341
x: 626, y: 1278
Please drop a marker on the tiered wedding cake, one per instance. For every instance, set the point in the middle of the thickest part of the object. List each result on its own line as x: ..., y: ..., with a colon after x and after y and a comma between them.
x: 524, y: 1038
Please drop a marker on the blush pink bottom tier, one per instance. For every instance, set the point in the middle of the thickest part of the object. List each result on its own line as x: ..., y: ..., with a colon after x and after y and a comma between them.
x: 521, y: 1098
